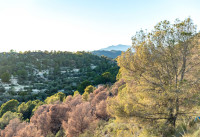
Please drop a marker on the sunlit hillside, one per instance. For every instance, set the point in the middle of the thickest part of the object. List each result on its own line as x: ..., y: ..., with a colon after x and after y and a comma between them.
x: 99, y: 68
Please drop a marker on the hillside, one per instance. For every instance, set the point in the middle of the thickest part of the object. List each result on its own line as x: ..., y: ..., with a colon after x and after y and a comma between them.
x: 111, y: 54
x: 36, y: 75
x: 156, y: 94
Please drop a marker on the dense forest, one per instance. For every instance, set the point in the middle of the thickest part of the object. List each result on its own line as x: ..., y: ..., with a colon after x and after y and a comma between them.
x: 36, y: 75
x: 155, y: 93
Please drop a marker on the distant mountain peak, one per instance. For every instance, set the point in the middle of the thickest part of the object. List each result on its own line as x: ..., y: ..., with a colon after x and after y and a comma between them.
x: 112, y: 51
x: 119, y: 47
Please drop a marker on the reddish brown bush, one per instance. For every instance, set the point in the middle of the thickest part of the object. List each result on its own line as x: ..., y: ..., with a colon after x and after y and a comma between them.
x: 99, y: 89
x: 99, y: 97
x: 73, y: 115
x: 68, y: 99
x: 41, y: 119
x: 49, y: 118
x: 30, y: 130
x: 17, y: 129
x: 79, y: 119
x: 101, y: 111
x: 57, y: 114
x: 12, y: 128
x: 73, y: 101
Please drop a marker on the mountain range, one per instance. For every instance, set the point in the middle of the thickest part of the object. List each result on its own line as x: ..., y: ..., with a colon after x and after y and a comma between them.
x: 118, y: 47
x: 112, y: 51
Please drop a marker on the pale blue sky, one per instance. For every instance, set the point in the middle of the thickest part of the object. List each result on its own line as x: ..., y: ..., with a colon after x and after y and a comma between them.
x: 84, y: 24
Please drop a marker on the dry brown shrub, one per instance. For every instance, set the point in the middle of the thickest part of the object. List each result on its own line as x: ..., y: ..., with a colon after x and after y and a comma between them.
x: 30, y: 130
x: 16, y: 128
x: 101, y: 112
x: 50, y: 119
x: 73, y: 101
x: 79, y: 119
x: 99, y: 97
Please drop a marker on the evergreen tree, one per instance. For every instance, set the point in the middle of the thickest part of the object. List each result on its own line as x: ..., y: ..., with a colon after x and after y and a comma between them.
x: 5, y: 77
x: 11, y: 105
x: 89, y: 89
x: 162, y: 81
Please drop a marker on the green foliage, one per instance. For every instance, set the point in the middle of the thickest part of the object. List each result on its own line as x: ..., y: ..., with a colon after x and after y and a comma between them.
x: 188, y: 127
x: 56, y: 97
x: 50, y: 135
x: 107, y: 77
x: 76, y: 93
x: 22, y: 74
x: 89, y: 89
x: 11, y: 105
x: 27, y: 108
x: 37, y: 106
x: 85, y: 96
x: 2, y: 89
x: 60, y: 133
x: 52, y: 71
x: 112, y: 129
x: 5, y: 119
x: 5, y: 77
x: 83, y: 85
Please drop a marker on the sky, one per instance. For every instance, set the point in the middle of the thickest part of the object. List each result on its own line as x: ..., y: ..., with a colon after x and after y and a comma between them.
x: 76, y: 25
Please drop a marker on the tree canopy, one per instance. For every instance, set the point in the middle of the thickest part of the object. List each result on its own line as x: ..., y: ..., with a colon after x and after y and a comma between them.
x: 11, y: 105
x: 162, y: 81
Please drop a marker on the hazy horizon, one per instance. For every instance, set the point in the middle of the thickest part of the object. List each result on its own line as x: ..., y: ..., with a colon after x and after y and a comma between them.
x: 83, y: 25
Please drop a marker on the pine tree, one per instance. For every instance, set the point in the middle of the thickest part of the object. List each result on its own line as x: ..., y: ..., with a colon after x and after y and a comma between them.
x: 162, y: 76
